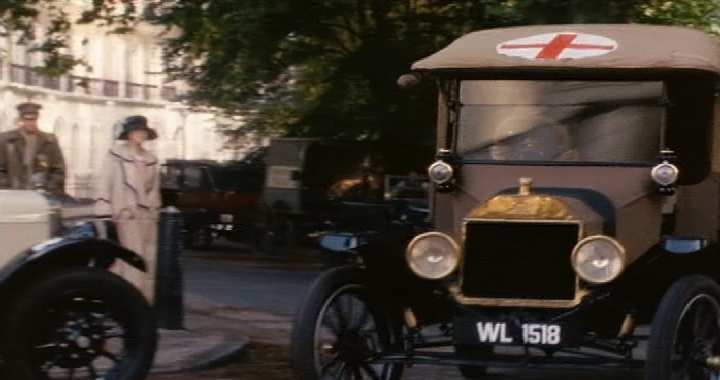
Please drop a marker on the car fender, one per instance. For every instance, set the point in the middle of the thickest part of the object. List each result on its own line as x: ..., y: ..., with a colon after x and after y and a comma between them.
x: 647, y: 279
x: 77, y: 248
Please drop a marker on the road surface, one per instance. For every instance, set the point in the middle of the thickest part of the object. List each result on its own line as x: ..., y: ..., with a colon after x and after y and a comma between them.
x: 277, y: 289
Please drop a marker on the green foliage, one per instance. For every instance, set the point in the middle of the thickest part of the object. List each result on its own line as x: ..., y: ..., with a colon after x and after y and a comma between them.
x: 328, y: 67
x: 700, y: 14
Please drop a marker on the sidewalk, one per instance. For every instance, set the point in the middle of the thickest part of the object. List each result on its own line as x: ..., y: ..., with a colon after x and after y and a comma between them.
x: 208, y: 340
x: 263, y: 356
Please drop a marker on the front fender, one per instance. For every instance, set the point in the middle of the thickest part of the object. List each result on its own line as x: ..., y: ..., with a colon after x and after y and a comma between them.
x: 79, y: 247
x: 645, y: 282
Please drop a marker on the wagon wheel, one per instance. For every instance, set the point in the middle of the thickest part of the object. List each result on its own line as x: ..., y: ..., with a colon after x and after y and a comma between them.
x: 685, y: 336
x: 339, y: 332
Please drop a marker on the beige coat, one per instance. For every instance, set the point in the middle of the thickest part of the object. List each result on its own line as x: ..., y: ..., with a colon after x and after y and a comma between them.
x: 129, y: 191
x: 48, y: 165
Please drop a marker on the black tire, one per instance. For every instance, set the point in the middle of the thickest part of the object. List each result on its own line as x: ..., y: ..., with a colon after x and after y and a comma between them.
x: 685, y: 331
x: 307, y: 351
x: 474, y: 372
x: 69, y: 324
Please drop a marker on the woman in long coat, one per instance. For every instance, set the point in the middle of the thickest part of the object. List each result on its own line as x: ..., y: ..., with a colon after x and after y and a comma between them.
x: 129, y: 191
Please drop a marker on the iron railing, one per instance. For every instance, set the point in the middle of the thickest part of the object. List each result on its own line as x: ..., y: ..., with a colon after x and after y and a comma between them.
x: 30, y: 76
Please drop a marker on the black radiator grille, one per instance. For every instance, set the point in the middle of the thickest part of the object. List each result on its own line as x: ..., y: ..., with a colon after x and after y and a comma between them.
x: 519, y: 260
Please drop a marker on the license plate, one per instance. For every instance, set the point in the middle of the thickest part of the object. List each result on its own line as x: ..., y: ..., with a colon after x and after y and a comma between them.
x: 226, y: 218
x: 514, y: 333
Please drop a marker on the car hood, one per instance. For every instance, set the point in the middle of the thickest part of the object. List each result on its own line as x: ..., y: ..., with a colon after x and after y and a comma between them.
x: 621, y: 202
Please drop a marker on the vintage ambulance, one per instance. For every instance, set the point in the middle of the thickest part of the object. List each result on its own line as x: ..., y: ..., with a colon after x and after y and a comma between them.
x: 575, y: 216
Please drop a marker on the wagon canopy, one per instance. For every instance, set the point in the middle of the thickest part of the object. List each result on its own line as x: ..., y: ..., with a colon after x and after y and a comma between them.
x: 576, y: 47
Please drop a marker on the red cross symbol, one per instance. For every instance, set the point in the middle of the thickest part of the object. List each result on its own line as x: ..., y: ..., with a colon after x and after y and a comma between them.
x: 557, y: 45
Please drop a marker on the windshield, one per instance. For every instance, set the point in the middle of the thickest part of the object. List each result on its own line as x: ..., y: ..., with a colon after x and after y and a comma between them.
x: 560, y: 121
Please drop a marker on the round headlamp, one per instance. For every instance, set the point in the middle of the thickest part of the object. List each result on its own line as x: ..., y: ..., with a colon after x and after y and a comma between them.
x: 598, y: 259
x: 665, y: 174
x: 433, y: 255
x: 440, y: 172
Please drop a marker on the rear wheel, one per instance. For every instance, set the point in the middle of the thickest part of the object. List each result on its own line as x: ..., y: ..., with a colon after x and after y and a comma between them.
x: 685, y: 334
x: 339, y: 330
x: 81, y: 324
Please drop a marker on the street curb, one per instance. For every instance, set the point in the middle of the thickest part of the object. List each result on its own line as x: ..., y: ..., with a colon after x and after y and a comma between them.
x: 218, y: 357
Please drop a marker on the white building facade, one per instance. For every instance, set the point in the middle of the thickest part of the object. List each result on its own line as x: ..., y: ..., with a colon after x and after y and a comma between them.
x: 125, y: 77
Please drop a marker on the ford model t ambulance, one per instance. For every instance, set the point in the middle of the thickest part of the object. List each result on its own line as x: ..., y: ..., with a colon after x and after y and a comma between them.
x: 575, y: 202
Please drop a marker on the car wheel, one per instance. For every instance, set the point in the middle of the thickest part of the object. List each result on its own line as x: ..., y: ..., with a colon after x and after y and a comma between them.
x: 685, y: 332
x: 81, y: 323
x: 473, y: 372
x: 339, y: 329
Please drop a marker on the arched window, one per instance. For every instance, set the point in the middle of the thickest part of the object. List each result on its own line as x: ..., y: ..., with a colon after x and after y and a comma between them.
x: 74, y: 147
x: 134, y: 71
x: 58, y: 127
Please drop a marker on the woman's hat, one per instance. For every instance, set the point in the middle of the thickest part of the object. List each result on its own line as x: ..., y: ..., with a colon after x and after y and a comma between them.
x: 134, y: 123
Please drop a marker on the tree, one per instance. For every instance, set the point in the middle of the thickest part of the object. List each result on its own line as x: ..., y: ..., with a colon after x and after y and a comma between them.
x: 328, y: 67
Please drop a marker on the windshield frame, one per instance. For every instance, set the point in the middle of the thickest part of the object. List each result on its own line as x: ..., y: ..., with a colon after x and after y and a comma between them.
x: 450, y: 93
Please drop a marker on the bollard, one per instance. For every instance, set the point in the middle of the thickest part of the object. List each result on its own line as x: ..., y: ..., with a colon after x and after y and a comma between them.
x: 169, y: 280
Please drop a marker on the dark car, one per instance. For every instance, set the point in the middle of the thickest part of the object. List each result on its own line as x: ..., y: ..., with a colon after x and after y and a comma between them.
x: 575, y: 200
x: 216, y: 200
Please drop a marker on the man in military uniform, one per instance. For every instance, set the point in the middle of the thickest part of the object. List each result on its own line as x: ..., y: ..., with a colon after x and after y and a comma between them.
x: 29, y: 158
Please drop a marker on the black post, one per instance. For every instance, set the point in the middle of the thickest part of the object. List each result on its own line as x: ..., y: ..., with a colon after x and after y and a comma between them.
x: 168, y: 278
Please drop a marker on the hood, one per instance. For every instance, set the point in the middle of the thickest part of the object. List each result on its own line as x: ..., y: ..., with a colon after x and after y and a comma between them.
x: 620, y: 202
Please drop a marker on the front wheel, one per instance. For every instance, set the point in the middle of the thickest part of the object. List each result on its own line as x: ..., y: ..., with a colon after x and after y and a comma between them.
x: 685, y: 333
x: 81, y: 324
x: 339, y: 330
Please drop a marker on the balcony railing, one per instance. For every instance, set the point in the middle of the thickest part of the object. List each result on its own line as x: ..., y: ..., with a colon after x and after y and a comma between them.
x: 111, y: 88
x: 149, y: 91
x: 140, y: 91
x: 19, y: 74
x: 31, y: 77
x: 91, y: 86
x: 52, y: 82
x: 134, y: 90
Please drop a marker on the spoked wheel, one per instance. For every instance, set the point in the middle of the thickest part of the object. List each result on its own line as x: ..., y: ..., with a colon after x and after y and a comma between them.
x: 685, y: 337
x: 339, y: 332
x: 84, y: 324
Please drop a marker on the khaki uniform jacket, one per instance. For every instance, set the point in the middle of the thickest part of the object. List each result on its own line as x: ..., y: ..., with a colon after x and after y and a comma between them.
x: 48, y: 163
x: 123, y: 191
